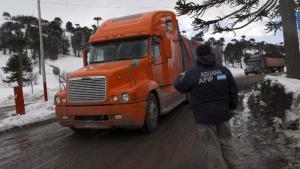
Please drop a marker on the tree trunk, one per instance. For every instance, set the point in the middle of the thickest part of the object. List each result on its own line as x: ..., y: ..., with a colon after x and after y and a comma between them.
x: 219, y: 52
x: 40, y: 64
x: 291, y: 43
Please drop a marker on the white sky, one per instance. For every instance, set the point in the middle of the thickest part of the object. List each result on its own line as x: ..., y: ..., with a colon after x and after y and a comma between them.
x: 83, y: 12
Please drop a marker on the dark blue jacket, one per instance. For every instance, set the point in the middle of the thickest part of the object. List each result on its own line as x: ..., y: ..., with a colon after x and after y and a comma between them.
x: 213, y: 91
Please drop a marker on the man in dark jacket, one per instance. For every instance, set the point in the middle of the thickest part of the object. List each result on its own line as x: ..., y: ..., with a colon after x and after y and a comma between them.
x: 213, y: 96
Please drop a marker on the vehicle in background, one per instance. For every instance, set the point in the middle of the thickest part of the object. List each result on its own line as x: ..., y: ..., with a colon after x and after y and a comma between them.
x: 128, y: 80
x: 263, y: 63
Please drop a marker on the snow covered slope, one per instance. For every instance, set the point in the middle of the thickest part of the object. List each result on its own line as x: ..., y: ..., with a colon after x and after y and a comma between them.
x: 40, y: 110
x: 65, y: 63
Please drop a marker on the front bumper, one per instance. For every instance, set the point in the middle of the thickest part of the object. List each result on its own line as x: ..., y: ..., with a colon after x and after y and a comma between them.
x: 132, y: 116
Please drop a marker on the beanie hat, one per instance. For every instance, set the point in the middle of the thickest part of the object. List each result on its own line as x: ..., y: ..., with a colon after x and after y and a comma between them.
x: 204, y: 50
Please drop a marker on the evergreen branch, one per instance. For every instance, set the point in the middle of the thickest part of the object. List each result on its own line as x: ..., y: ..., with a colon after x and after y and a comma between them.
x: 273, y: 26
x: 258, y: 14
x: 201, y: 24
x: 245, y: 13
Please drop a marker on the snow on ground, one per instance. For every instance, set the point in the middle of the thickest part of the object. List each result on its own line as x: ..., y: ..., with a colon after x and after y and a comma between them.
x: 236, y: 72
x: 291, y: 86
x: 34, y: 113
x: 65, y: 63
x: 40, y: 110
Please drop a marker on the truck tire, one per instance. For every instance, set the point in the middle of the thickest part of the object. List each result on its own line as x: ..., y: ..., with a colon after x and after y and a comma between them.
x: 281, y: 69
x: 152, y: 112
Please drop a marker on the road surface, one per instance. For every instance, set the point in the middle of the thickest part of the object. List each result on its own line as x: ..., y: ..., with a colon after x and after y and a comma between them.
x: 7, y: 109
x: 172, y: 146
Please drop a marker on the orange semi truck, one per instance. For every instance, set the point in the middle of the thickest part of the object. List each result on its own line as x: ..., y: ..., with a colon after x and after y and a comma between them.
x: 128, y: 80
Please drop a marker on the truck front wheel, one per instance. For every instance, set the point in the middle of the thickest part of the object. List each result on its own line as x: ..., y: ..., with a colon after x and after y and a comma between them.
x: 151, y: 118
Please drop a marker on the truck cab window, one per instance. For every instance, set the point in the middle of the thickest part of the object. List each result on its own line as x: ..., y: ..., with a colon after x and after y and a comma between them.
x: 169, y: 25
x: 119, y: 50
x: 155, y: 47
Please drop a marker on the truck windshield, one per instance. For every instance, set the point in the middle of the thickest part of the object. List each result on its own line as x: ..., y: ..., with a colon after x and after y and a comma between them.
x: 119, y: 50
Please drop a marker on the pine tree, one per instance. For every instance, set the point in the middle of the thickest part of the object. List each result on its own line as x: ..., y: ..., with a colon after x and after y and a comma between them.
x: 11, y: 69
x: 80, y: 38
x: 65, y: 45
x: 54, y: 39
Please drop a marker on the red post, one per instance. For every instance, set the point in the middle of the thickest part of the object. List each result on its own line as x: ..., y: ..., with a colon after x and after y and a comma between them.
x: 45, y: 91
x: 19, y: 100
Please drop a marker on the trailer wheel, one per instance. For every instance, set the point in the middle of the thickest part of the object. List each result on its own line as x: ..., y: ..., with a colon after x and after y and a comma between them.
x: 151, y: 118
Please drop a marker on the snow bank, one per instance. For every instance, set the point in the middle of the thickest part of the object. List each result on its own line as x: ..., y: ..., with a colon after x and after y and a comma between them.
x: 291, y: 86
x: 34, y: 113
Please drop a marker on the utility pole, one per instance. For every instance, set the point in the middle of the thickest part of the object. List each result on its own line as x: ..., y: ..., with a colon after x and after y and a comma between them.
x: 42, y: 52
x: 97, y: 19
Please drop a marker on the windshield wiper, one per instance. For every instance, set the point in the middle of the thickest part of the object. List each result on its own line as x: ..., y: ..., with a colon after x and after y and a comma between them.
x: 101, y: 61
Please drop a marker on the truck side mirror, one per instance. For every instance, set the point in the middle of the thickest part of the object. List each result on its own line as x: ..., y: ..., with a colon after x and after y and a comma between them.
x: 166, y: 48
x: 84, y: 57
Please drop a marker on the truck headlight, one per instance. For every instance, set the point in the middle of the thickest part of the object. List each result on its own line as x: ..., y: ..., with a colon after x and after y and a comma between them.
x: 124, y: 97
x: 57, y: 100
x: 63, y: 100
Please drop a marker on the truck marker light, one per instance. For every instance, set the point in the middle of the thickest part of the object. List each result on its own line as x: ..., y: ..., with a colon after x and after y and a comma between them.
x: 63, y: 100
x: 118, y: 117
x: 114, y: 98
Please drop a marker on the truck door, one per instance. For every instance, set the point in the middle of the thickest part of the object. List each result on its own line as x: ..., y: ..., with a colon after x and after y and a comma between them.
x: 157, y: 61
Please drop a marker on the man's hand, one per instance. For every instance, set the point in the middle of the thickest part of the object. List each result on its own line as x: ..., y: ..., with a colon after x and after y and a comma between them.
x: 183, y: 82
x: 181, y: 76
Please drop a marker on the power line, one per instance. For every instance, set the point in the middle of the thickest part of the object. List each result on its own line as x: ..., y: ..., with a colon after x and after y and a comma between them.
x: 100, y: 6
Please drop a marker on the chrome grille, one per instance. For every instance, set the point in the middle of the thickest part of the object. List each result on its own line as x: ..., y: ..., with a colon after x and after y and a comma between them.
x: 87, y: 89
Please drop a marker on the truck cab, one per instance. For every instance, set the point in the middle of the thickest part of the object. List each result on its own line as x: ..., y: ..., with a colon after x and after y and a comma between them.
x: 127, y: 82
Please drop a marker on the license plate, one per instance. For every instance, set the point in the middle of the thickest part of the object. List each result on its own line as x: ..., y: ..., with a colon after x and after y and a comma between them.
x: 90, y: 124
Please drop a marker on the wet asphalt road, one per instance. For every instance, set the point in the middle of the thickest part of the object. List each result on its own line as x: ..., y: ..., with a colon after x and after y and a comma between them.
x: 172, y: 146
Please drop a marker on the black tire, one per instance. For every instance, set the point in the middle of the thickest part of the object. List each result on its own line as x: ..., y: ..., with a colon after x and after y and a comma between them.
x: 281, y: 69
x: 246, y: 74
x: 152, y: 112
